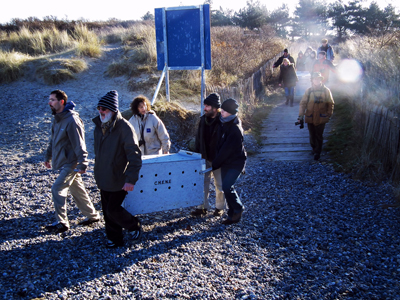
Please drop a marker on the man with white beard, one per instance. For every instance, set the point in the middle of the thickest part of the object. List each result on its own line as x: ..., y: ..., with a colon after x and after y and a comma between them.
x: 67, y: 153
x: 116, y: 169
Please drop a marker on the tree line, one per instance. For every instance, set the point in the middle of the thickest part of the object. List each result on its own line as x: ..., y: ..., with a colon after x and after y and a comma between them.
x: 312, y: 18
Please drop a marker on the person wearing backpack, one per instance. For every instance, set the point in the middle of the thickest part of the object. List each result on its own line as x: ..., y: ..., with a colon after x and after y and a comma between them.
x: 316, y: 109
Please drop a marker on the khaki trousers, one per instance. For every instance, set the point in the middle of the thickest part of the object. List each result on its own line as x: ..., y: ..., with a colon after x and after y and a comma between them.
x: 72, y: 181
x: 219, y: 194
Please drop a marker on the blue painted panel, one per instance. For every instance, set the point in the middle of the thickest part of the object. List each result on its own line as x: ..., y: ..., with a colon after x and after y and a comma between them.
x: 183, y: 32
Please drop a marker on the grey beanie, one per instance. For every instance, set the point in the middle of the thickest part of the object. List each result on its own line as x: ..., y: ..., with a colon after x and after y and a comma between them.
x: 231, y: 106
x: 213, y: 100
x: 110, y: 101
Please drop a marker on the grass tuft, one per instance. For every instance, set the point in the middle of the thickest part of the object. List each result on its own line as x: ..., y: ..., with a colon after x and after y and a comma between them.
x: 12, y: 65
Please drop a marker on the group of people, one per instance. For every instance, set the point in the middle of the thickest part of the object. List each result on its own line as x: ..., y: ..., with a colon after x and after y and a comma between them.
x: 311, y: 61
x: 316, y: 105
x: 118, y: 147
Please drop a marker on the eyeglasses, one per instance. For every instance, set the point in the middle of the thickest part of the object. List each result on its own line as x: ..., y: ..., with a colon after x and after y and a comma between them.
x: 101, y: 108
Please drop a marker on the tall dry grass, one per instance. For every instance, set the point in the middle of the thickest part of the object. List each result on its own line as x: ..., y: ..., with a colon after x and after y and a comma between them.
x: 12, y: 65
x: 87, y: 42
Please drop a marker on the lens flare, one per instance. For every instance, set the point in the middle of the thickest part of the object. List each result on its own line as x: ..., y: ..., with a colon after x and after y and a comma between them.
x: 349, y: 70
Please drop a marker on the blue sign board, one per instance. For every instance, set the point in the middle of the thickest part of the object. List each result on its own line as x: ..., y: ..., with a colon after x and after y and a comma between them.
x: 183, y: 37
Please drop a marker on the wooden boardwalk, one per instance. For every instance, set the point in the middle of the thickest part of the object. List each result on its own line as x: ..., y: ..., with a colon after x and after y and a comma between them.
x: 282, y: 140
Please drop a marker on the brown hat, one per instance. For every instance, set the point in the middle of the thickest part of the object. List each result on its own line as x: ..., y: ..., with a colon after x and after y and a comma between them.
x: 316, y: 75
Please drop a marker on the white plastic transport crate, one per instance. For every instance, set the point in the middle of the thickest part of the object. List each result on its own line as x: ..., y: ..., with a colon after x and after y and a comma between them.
x: 167, y: 182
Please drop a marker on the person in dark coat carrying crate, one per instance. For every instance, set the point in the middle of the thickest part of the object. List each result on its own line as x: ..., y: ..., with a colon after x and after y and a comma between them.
x: 231, y: 157
x: 116, y: 169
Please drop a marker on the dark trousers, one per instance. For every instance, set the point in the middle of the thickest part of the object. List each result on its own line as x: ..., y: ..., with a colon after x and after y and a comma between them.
x: 316, y: 139
x: 229, y: 178
x: 116, y: 217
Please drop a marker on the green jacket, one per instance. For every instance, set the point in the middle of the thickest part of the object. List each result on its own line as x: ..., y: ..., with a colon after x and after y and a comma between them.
x: 67, y: 143
x: 117, y: 155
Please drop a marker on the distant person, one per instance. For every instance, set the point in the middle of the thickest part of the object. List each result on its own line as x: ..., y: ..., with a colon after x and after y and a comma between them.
x: 230, y: 158
x: 150, y: 130
x: 323, y: 66
x: 325, y: 47
x: 206, y: 144
x: 67, y: 153
x: 288, y: 78
x: 280, y: 59
x: 310, y: 61
x: 116, y: 169
x: 316, y: 109
x: 308, y: 51
x: 300, y: 62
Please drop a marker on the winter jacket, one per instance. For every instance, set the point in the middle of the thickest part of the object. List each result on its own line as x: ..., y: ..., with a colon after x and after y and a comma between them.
x: 67, y: 143
x: 324, y: 66
x: 117, y: 155
x: 288, y: 75
x: 155, y: 134
x: 200, y: 142
x: 316, y: 105
x: 328, y: 50
x: 301, y: 63
x: 309, y: 63
x: 231, y: 153
x: 280, y: 60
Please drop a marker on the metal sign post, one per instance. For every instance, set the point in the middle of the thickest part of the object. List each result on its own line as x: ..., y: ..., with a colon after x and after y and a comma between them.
x: 183, y: 42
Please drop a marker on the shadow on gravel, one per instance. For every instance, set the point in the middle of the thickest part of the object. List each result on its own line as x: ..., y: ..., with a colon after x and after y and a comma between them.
x: 69, y: 259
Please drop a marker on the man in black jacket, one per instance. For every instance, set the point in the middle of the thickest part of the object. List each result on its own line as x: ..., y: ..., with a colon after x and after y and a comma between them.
x: 206, y: 144
x: 280, y: 59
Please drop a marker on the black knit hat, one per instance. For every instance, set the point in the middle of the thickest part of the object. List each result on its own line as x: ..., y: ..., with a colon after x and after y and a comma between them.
x: 110, y: 101
x: 231, y: 106
x: 213, y: 100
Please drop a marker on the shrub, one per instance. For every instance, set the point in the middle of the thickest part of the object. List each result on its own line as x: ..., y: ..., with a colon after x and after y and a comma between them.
x: 12, y: 65
x: 56, y: 71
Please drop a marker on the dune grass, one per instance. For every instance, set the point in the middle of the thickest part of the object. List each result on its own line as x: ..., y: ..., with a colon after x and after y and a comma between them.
x: 12, y: 65
x: 56, y: 71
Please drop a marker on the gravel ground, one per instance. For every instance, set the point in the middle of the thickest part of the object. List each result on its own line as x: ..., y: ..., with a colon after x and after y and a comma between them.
x: 307, y: 232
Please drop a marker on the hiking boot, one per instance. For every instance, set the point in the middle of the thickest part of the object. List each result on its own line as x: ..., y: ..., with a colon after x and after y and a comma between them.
x: 135, y: 234
x: 199, y: 212
x: 229, y: 221
x: 218, y: 212
x: 88, y: 221
x: 317, y: 156
x: 111, y: 244
x: 56, y: 228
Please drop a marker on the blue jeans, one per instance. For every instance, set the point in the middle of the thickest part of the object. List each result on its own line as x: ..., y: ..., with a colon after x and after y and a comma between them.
x: 289, y: 91
x: 229, y: 178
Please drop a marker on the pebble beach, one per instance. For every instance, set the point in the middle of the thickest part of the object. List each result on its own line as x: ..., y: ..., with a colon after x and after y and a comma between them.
x: 307, y: 232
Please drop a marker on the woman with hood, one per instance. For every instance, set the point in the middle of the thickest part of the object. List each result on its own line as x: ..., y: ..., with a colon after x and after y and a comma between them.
x: 150, y: 130
x: 301, y: 62
x: 289, y: 79
x: 231, y: 157
x: 310, y: 61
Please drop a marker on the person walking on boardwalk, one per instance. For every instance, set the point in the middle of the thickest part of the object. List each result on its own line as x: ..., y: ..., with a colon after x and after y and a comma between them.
x: 150, y: 130
x: 230, y: 158
x: 206, y: 144
x: 316, y: 108
x: 116, y: 169
x: 325, y: 47
x: 323, y: 66
x: 67, y: 152
x: 280, y: 59
x: 288, y: 78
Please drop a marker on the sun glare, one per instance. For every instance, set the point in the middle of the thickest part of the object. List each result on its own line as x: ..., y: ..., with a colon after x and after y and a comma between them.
x: 349, y: 70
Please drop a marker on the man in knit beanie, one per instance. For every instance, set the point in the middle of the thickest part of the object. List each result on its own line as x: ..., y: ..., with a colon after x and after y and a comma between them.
x: 116, y: 169
x: 206, y: 144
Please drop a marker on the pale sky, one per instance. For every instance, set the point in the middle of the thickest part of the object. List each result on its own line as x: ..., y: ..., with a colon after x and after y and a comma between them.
x: 122, y: 9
